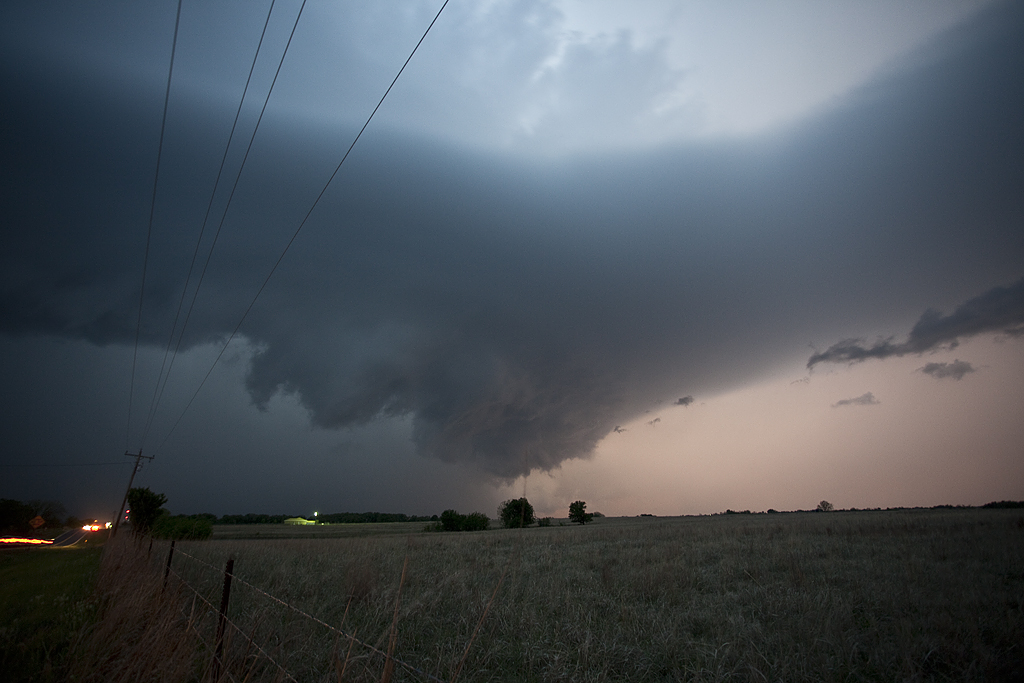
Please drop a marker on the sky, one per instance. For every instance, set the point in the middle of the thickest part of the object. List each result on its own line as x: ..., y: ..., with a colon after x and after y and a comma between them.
x: 667, y: 258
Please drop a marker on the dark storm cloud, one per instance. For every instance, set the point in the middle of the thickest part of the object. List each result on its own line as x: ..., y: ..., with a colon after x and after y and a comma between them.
x: 516, y: 312
x: 867, y: 399
x: 957, y: 369
x: 684, y: 401
x: 1000, y: 309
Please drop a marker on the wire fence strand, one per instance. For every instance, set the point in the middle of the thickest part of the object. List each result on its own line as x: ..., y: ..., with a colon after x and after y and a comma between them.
x: 351, y: 637
x: 230, y: 623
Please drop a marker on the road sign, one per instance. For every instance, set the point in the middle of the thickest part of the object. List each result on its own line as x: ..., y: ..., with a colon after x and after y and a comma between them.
x: 36, y: 522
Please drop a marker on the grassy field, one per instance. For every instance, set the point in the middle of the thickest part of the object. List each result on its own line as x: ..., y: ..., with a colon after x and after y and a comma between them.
x: 225, y: 532
x: 46, y: 600
x: 915, y: 595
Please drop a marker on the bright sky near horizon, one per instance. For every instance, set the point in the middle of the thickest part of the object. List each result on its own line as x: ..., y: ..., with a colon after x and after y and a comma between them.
x: 787, y: 443
x: 565, y: 217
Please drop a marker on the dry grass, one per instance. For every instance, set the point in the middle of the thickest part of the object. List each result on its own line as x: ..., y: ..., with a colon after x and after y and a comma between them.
x: 911, y: 595
x: 144, y: 633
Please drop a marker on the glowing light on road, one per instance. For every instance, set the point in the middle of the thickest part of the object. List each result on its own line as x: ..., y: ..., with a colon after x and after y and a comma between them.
x: 29, y: 541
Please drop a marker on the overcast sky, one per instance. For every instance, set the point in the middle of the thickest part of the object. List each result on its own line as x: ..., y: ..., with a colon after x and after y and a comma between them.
x: 567, y: 220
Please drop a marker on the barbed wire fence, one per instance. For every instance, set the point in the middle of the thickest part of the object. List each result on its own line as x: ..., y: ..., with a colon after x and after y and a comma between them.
x: 239, y: 653
x: 218, y: 660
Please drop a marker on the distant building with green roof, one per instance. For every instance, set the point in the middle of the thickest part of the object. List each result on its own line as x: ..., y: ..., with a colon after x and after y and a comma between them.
x: 298, y: 521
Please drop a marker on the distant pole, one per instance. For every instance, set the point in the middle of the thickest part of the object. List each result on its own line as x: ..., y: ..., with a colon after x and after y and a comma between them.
x: 124, y: 501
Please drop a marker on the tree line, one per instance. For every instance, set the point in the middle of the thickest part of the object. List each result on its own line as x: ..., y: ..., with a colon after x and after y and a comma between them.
x: 16, y: 516
x: 330, y: 518
x: 515, y: 513
x: 147, y: 515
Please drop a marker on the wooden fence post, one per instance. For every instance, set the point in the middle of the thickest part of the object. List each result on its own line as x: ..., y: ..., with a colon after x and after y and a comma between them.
x: 225, y: 595
x: 167, y: 569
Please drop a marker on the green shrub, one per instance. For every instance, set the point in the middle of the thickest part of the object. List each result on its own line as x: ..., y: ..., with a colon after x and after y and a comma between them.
x: 476, y: 521
x: 544, y: 521
x: 451, y: 520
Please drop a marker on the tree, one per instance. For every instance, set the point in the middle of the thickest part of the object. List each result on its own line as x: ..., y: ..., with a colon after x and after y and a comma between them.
x: 516, y: 513
x: 144, y: 508
x: 14, y: 517
x: 825, y: 506
x: 451, y: 520
x: 51, y: 511
x: 578, y: 512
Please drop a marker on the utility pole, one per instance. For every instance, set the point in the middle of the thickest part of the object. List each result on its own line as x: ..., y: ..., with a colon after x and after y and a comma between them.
x: 138, y: 458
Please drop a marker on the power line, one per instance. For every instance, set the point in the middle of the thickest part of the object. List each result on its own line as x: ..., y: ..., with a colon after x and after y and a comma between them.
x: 149, y: 230
x: 245, y: 158
x: 301, y: 224
x: 63, y: 464
x: 158, y: 390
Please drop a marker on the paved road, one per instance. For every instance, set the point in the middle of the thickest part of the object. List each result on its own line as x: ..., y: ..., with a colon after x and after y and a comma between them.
x: 70, y: 537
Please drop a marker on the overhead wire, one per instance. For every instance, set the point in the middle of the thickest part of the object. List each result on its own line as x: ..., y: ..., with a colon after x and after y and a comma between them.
x: 158, y: 390
x: 149, y: 230
x: 234, y: 187
x: 64, y: 464
x: 301, y: 225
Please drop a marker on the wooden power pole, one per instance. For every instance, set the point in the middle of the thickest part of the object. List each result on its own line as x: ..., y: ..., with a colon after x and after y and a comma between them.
x: 120, y: 512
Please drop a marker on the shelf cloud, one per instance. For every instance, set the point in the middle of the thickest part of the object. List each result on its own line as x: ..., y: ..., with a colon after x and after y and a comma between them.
x: 539, y: 238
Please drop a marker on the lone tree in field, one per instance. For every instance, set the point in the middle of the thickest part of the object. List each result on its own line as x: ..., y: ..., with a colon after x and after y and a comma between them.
x: 578, y: 512
x: 144, y: 507
x: 516, y: 513
x: 825, y: 506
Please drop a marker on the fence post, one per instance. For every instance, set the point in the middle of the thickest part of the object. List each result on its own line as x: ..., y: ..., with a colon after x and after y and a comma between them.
x: 219, y: 651
x: 167, y: 569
